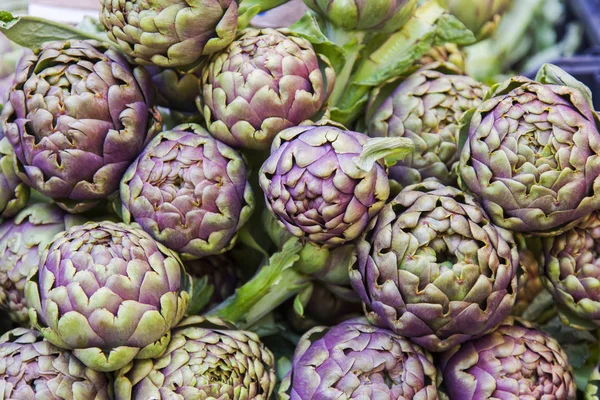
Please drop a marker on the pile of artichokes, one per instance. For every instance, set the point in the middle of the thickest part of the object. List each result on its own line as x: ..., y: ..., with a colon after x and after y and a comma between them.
x: 195, y: 208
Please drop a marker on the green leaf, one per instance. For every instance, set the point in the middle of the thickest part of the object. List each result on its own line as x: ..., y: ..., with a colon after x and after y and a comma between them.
x: 465, y: 124
x: 391, y: 149
x: 201, y: 295
x: 302, y: 300
x: 552, y: 75
x: 248, y: 239
x: 33, y: 32
x: 451, y: 30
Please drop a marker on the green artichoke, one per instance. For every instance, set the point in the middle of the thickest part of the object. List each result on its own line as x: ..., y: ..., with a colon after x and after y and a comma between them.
x: 108, y: 292
x: 21, y: 238
x: 207, y: 359
x: 77, y: 116
x: 14, y: 194
x: 377, y: 15
x: 516, y: 361
x: 529, y: 281
x: 592, y: 391
x: 447, y: 53
x: 355, y: 360
x: 532, y: 157
x: 261, y: 84
x: 32, y: 368
x: 481, y: 17
x: 176, y: 89
x: 427, y: 108
x: 170, y: 33
x: 189, y: 191
x: 435, y: 269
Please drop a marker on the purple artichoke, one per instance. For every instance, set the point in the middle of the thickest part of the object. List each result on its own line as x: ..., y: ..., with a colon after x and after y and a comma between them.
x: 355, y: 360
x: 108, y: 292
x: 316, y: 189
x: 32, y: 368
x: 21, y: 239
x: 263, y: 83
x: 189, y: 191
x: 434, y: 268
x: 515, y: 361
x: 77, y: 116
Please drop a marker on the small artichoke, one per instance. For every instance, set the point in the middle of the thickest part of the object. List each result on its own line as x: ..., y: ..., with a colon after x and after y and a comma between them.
x: 315, y: 188
x: 21, y: 238
x: 108, y: 292
x: 355, y: 360
x: 481, y: 17
x: 169, y: 33
x: 189, y: 191
x: 532, y: 157
x: 261, y: 84
x: 206, y: 359
x: 592, y: 391
x: 516, y: 361
x: 77, y: 116
x: 570, y: 270
x: 32, y: 368
x: 14, y: 194
x: 378, y: 15
x: 427, y: 108
x: 435, y: 269
x: 176, y: 89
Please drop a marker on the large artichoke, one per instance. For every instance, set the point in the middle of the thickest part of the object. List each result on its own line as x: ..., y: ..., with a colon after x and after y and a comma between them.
x: 14, y: 194
x: 315, y: 188
x: 32, y: 368
x: 77, y: 116
x: 481, y: 17
x: 261, y: 84
x: 515, y: 361
x: 176, y: 89
x: 170, y: 33
x: 108, y: 292
x: 570, y: 270
x: 379, y: 15
x: 533, y: 157
x: 434, y: 269
x: 21, y: 238
x: 206, y: 359
x: 355, y: 360
x: 189, y: 191
x: 427, y: 108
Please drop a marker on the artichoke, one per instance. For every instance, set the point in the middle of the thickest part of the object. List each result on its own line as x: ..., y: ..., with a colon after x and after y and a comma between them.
x: 108, y: 292
x: 176, y: 89
x: 377, y: 15
x: 170, y: 33
x: 206, y: 359
x: 315, y: 188
x: 427, y: 108
x: 481, y: 17
x: 515, y: 361
x: 261, y: 84
x: 77, y: 116
x: 355, y: 360
x: 447, y: 53
x: 435, y: 269
x: 189, y: 191
x: 529, y: 281
x: 592, y: 391
x: 14, y: 194
x: 32, y: 368
x: 21, y: 239
x: 533, y: 157
x: 570, y: 270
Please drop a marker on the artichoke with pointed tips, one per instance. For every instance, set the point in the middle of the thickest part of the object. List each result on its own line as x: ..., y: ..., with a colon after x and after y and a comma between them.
x: 435, y: 269
x: 14, y: 194
x: 206, y: 359
x: 189, y: 191
x: 263, y: 83
x: 33, y: 368
x: 355, y: 360
x: 77, y: 116
x: 109, y: 293
x: 176, y: 89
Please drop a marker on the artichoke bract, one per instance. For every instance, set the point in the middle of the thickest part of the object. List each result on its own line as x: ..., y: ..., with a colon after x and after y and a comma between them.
x: 481, y: 17
x: 435, y: 269
x: 170, y: 33
x: 206, y: 359
x: 592, y: 391
x: 32, y: 368
x: 108, y: 292
x: 570, y: 268
x: 77, y: 116
x: 355, y: 360
x: 516, y: 361
x: 261, y: 84
x: 21, y: 238
x: 189, y: 191
x: 380, y: 15
x: 315, y: 188
x: 532, y: 157
x: 176, y: 90
x: 14, y: 194
x: 427, y: 108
